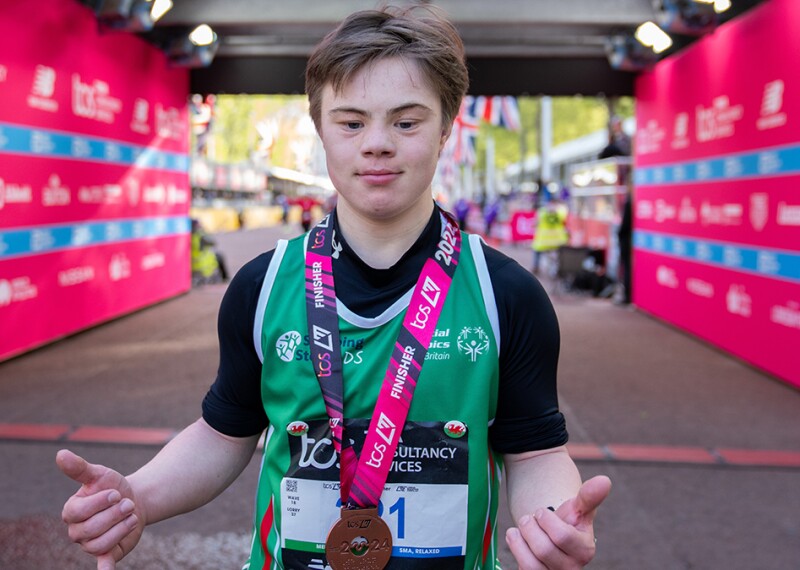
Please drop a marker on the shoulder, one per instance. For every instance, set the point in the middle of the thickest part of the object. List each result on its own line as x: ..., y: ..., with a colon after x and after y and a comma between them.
x: 241, y: 297
x: 509, y: 279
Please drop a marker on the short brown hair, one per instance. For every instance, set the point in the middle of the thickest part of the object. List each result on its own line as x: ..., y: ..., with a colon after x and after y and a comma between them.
x: 370, y: 35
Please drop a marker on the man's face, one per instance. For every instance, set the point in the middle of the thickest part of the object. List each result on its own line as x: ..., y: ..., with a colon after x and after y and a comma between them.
x: 382, y: 136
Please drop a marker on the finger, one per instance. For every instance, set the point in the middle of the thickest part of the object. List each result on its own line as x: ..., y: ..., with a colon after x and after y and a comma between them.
x: 521, y: 551
x: 105, y: 543
x: 544, y: 548
x: 80, y: 508
x: 77, y: 468
x: 573, y: 543
x: 101, y: 523
x: 106, y: 562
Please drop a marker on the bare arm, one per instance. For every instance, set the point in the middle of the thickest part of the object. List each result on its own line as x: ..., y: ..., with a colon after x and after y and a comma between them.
x: 563, y: 539
x: 190, y: 471
x: 540, y: 479
x: 107, y: 515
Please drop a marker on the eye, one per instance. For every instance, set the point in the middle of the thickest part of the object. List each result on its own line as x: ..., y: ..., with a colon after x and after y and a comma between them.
x: 406, y: 125
x: 352, y: 125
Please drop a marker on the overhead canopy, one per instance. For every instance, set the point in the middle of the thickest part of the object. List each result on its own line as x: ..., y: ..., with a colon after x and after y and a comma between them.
x: 514, y: 47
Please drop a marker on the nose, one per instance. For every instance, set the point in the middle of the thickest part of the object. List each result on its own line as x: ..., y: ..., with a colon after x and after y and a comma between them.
x: 378, y: 140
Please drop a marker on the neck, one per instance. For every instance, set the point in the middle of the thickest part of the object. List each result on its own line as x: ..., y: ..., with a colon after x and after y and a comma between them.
x: 380, y: 243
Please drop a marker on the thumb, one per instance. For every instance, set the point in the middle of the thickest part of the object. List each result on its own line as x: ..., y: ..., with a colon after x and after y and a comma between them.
x: 582, y: 507
x: 76, y: 467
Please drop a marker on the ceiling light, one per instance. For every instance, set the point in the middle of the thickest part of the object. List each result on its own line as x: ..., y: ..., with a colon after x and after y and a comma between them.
x: 160, y: 7
x: 687, y: 17
x: 196, y: 49
x: 124, y: 15
x: 719, y: 5
x: 653, y: 37
x: 625, y: 53
x: 202, y: 35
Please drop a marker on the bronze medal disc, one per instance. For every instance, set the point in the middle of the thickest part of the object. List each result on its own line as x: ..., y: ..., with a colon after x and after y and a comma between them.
x: 359, y: 540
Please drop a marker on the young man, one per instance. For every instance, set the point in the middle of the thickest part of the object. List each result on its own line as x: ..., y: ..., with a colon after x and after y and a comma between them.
x: 417, y: 361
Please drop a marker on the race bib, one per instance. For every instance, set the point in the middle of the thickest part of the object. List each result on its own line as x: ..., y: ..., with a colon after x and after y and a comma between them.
x: 424, y: 501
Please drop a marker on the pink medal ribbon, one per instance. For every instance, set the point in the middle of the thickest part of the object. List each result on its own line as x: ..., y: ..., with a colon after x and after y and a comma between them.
x: 363, y: 478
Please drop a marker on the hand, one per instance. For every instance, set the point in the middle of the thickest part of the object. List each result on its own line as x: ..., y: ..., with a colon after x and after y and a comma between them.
x: 102, y: 516
x: 560, y: 540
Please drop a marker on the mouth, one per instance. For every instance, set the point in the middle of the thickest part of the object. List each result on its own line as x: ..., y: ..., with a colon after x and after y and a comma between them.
x: 378, y: 176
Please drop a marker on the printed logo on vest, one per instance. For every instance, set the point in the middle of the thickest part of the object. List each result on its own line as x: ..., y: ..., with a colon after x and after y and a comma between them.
x: 287, y: 344
x: 473, y: 342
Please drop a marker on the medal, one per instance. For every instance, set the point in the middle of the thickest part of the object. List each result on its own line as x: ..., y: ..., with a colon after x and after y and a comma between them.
x: 359, y: 540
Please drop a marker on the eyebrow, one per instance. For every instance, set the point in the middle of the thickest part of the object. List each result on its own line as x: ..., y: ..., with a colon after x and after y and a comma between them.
x: 390, y: 112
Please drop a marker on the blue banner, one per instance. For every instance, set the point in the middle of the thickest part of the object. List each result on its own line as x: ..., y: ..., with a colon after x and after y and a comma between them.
x: 46, y: 239
x: 45, y: 143
x: 779, y: 161
x: 772, y: 263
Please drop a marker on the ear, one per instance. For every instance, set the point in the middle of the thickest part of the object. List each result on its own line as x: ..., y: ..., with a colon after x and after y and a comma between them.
x: 445, y: 135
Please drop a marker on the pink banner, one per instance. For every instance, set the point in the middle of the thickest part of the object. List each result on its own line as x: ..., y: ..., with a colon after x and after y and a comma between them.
x: 52, y: 295
x: 57, y: 190
x: 59, y: 72
x: 716, y: 212
x: 732, y: 91
x: 94, y: 190
x: 746, y: 314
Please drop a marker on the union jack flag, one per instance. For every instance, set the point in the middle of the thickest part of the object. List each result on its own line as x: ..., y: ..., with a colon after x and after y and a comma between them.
x: 465, y: 131
x: 499, y: 111
x: 460, y: 148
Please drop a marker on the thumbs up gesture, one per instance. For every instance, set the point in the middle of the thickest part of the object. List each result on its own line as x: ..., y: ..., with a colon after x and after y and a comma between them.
x: 563, y: 539
x: 102, y: 516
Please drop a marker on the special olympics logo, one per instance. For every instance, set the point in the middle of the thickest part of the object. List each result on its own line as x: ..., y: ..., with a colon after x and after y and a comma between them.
x: 473, y: 342
x: 287, y: 345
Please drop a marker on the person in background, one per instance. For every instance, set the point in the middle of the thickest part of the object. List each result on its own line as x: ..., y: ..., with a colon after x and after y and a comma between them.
x: 206, y: 259
x: 307, y: 204
x: 282, y: 201
x: 490, y: 212
x: 619, y: 143
x: 461, y: 211
x: 551, y: 230
x: 625, y: 239
x: 382, y: 333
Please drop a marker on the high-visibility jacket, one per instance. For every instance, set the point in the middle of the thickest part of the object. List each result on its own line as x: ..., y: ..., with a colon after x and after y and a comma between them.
x: 551, y: 228
x: 204, y: 260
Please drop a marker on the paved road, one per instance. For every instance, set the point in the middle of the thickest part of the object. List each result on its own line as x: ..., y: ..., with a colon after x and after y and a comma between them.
x: 704, y: 451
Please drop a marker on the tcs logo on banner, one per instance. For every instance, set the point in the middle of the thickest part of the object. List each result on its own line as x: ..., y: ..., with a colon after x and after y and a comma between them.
x: 94, y: 101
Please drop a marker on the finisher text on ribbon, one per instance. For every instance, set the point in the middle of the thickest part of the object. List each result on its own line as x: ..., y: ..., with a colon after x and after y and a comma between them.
x: 402, y: 372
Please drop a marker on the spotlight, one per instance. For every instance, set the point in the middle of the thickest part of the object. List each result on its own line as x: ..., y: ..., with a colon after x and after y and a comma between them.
x: 195, y: 49
x: 688, y: 17
x: 130, y: 15
x: 625, y: 53
x: 720, y: 6
x: 160, y: 7
x: 653, y: 37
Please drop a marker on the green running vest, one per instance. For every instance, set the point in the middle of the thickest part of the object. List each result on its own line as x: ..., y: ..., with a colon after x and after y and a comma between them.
x: 441, y: 496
